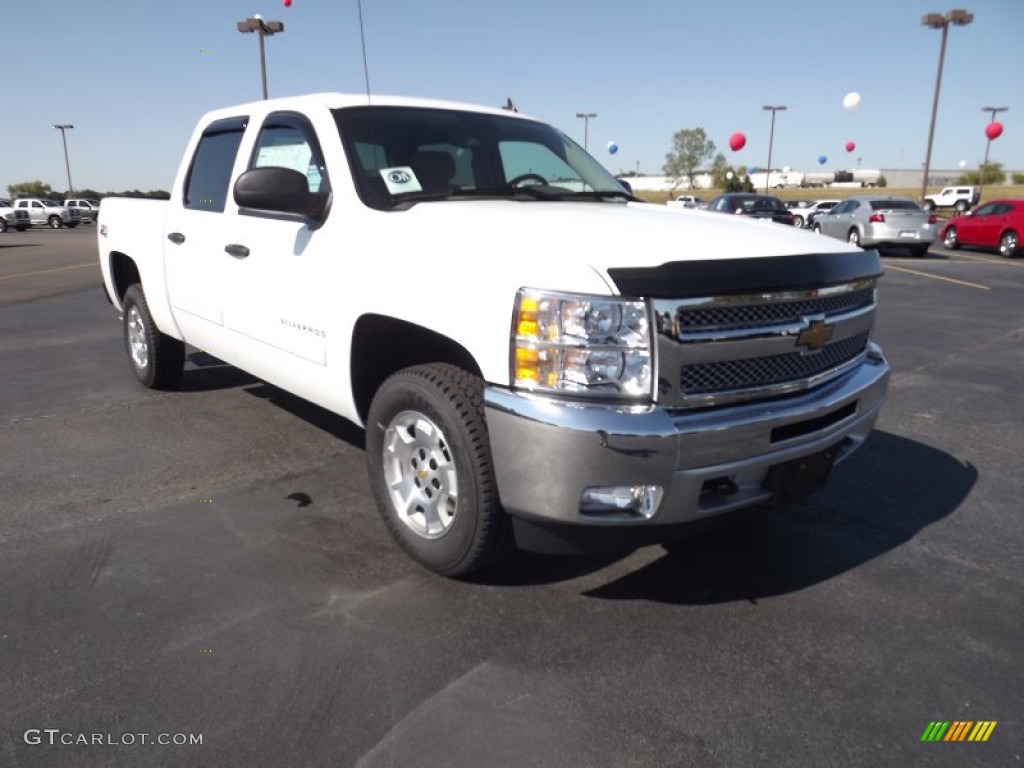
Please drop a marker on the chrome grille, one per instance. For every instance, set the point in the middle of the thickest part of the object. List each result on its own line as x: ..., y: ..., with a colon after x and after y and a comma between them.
x: 752, y: 315
x: 726, y: 349
x: 766, y: 371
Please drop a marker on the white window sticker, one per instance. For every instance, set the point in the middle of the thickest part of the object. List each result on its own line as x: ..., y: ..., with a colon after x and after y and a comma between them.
x: 400, y: 179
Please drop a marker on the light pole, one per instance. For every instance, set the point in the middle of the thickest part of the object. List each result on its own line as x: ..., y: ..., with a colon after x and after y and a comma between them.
x: 771, y: 139
x: 265, y: 29
x: 586, y: 125
x: 984, y: 166
x: 960, y: 18
x: 67, y: 164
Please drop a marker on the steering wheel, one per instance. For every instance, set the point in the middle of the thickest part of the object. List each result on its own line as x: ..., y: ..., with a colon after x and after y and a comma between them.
x: 527, y: 177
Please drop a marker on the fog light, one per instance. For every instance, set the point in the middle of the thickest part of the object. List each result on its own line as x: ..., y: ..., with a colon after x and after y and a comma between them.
x: 638, y: 500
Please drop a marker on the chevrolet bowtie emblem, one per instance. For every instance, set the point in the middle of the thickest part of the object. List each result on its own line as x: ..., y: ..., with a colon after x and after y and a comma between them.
x: 816, y: 335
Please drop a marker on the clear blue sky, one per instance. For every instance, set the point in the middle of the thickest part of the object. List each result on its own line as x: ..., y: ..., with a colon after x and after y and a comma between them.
x: 134, y: 75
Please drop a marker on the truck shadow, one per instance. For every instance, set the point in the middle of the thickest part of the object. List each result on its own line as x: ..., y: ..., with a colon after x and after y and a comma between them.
x: 329, y: 422
x: 880, y: 498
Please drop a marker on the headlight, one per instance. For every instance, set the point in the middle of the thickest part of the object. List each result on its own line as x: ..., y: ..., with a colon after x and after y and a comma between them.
x: 592, y: 345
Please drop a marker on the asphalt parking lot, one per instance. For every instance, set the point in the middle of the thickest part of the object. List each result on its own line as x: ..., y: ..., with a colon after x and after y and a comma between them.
x: 209, y: 562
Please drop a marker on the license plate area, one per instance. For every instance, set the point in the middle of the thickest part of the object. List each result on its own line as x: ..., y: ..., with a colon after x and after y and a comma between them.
x: 795, y: 479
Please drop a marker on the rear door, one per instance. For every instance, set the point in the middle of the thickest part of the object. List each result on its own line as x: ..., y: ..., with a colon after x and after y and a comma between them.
x: 194, y: 254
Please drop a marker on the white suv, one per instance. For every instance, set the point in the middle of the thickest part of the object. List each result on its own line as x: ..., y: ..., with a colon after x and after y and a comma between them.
x: 960, y: 198
x: 48, y: 212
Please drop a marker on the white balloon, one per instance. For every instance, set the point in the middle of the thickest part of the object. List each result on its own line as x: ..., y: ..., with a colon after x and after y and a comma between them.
x: 851, y: 100
x: 785, y: 169
x: 729, y: 175
x: 963, y: 163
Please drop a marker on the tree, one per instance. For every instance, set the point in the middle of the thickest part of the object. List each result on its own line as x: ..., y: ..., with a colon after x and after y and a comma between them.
x: 727, y: 178
x: 29, y: 189
x: 992, y: 172
x: 690, y: 149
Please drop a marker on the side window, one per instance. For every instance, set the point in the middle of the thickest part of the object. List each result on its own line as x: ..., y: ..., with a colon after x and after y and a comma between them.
x: 286, y: 140
x: 210, y: 175
x: 987, y: 210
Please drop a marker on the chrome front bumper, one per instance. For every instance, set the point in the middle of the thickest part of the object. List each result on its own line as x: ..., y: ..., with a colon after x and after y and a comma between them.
x: 547, y: 451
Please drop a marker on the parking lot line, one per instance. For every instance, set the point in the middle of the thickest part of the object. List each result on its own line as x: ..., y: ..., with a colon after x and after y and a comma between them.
x: 938, y: 277
x: 47, y: 271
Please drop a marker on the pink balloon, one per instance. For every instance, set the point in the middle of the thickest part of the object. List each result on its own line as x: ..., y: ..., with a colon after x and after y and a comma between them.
x: 850, y: 146
x: 994, y: 130
x: 737, y: 141
x: 287, y: 3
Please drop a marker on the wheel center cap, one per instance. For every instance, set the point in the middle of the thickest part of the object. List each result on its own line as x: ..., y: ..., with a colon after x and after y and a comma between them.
x: 422, y: 474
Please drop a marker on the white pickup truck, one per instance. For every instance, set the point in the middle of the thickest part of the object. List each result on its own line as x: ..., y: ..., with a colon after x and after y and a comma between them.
x: 538, y: 358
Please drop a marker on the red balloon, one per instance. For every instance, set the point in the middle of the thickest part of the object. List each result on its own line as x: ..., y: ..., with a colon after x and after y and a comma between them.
x: 850, y: 146
x: 287, y: 3
x: 737, y: 141
x: 994, y: 130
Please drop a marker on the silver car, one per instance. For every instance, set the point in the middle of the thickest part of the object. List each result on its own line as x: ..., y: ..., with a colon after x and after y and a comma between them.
x: 875, y: 220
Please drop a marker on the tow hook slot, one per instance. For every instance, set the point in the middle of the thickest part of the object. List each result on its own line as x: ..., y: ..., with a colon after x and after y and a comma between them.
x: 719, y: 486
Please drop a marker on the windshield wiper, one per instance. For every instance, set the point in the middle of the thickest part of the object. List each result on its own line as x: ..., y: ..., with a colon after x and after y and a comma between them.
x: 602, y: 194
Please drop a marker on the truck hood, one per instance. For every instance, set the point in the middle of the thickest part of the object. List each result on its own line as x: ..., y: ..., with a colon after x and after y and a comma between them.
x: 560, y: 240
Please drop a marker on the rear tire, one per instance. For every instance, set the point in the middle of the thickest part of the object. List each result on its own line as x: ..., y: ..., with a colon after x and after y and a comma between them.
x: 3, y: 225
x: 55, y: 222
x: 920, y: 251
x: 961, y: 206
x: 951, y: 239
x: 928, y: 205
x: 1009, y: 244
x: 853, y: 237
x: 157, y: 359
x: 429, y: 460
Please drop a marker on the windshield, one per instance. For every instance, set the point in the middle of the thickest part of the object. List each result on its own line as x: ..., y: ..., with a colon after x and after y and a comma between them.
x: 408, y: 154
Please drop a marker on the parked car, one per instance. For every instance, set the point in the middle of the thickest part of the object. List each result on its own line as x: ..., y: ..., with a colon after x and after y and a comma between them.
x: 804, y: 211
x: 960, y: 198
x: 12, y: 218
x: 820, y: 207
x: 89, y: 209
x: 750, y: 204
x: 997, y: 224
x: 48, y: 213
x: 868, y: 220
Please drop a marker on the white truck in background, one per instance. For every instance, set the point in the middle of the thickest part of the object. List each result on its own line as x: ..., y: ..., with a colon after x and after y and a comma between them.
x: 688, y: 201
x: 538, y: 358
x: 48, y: 213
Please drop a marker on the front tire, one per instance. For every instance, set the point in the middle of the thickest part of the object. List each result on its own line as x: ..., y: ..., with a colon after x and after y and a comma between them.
x: 951, y: 239
x: 55, y: 222
x: 157, y: 359
x: 1009, y: 244
x: 429, y: 460
x: 3, y: 225
x: 817, y: 229
x: 798, y: 222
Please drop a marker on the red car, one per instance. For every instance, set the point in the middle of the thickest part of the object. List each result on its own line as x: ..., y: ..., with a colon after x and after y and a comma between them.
x: 998, y: 224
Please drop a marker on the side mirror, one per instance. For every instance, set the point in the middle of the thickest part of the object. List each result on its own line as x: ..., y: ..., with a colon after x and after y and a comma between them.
x: 278, y: 190
x: 626, y: 185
